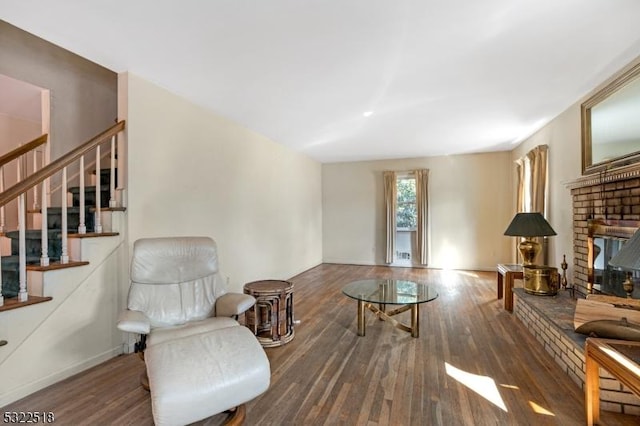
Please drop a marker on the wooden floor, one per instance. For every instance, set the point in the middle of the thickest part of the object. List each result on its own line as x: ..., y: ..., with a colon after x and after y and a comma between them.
x: 473, y: 364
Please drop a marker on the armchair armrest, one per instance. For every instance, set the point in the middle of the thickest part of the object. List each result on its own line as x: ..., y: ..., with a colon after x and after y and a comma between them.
x: 134, y: 322
x: 231, y: 304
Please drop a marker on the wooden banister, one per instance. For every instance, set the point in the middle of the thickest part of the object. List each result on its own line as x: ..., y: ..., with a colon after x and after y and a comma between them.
x: 57, y: 165
x: 21, y: 150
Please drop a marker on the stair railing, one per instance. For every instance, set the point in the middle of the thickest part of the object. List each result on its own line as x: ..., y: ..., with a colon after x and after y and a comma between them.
x: 20, y: 153
x: 42, y: 176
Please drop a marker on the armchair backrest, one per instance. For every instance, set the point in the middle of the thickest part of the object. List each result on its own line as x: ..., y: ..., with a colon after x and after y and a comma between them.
x: 175, y: 280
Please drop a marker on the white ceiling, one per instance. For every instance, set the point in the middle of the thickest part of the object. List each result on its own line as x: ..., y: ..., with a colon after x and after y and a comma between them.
x: 439, y: 76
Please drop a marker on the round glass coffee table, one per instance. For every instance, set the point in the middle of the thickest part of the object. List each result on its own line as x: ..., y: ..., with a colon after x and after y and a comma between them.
x: 384, y: 292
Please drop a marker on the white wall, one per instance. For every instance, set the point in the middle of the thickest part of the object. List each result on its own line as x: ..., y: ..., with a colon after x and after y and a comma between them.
x: 192, y: 172
x: 470, y: 203
x: 48, y: 342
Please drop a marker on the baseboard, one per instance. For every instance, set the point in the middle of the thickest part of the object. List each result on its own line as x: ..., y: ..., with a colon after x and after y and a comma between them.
x: 360, y: 263
x: 43, y: 382
x: 352, y: 262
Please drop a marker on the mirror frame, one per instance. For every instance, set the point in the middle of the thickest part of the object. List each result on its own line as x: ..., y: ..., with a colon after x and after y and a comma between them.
x: 588, y: 167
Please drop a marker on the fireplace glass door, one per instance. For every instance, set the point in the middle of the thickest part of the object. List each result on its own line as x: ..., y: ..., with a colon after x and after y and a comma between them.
x: 606, y: 238
x: 606, y: 279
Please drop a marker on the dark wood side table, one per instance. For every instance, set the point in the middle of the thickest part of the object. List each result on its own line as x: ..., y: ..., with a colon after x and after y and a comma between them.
x: 271, y: 318
x: 620, y: 358
x: 507, y: 272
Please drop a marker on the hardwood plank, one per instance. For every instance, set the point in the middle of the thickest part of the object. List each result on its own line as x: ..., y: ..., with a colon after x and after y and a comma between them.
x: 329, y: 375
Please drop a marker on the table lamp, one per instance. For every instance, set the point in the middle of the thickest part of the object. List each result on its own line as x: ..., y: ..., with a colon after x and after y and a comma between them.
x: 628, y: 259
x: 528, y: 226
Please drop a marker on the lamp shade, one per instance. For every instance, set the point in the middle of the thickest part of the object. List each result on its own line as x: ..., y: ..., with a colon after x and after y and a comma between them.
x: 628, y: 257
x: 529, y: 225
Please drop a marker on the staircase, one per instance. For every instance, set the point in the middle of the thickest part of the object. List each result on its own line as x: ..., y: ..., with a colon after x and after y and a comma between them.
x: 10, y: 278
x: 65, y: 321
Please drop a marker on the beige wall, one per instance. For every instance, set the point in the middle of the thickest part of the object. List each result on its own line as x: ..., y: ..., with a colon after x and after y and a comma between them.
x: 563, y: 135
x: 14, y: 130
x: 83, y: 94
x: 192, y: 172
x: 470, y: 207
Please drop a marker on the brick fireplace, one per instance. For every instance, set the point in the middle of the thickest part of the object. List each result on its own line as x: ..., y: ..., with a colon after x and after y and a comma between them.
x: 609, y: 198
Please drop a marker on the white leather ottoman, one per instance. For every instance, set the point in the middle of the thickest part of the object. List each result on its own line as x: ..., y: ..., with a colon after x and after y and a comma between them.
x: 194, y: 377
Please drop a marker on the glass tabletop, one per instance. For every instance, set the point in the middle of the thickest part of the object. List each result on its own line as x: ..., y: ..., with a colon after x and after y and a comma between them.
x: 393, y: 292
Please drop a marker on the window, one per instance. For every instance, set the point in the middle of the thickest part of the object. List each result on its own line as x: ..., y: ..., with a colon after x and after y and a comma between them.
x: 406, y: 215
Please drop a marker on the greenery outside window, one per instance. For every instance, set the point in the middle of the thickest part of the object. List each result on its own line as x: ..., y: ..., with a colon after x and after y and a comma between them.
x: 406, y: 215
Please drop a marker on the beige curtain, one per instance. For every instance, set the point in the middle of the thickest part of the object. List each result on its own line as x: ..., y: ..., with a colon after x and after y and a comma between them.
x: 422, y: 207
x: 538, y: 165
x: 520, y: 207
x: 532, y: 189
x: 390, y: 202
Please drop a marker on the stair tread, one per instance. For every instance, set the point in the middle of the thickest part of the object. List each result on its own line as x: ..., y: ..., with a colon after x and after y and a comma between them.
x: 13, y: 303
x: 88, y: 188
x: 34, y: 233
x: 94, y: 234
x: 13, y: 259
x: 57, y: 265
x: 69, y: 209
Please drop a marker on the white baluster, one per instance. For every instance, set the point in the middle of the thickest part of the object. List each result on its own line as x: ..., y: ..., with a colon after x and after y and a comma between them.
x: 2, y: 224
x: 112, y: 180
x: 1, y: 231
x: 64, y: 257
x: 44, y: 258
x: 35, y: 187
x: 22, y: 251
x: 1, y: 297
x: 19, y: 170
x: 82, y: 227
x: 97, y: 219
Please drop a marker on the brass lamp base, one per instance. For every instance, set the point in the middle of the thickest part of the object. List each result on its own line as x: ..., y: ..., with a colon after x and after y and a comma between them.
x: 529, y: 250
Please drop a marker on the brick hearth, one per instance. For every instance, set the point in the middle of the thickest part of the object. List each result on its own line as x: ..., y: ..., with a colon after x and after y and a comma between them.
x: 550, y: 320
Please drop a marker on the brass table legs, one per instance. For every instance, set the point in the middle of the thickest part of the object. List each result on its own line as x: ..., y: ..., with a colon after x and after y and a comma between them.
x: 414, y: 329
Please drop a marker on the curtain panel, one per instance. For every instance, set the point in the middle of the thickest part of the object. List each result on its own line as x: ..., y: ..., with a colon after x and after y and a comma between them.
x: 538, y: 160
x: 422, y: 210
x: 520, y: 205
x: 532, y: 191
x: 390, y: 206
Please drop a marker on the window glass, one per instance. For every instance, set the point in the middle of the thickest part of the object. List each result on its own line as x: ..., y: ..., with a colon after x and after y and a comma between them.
x: 406, y: 214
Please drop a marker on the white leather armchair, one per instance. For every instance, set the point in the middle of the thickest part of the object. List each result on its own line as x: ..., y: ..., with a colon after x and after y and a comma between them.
x: 200, y: 361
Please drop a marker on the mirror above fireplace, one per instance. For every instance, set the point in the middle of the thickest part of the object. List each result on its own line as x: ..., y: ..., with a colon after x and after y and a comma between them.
x: 610, y: 124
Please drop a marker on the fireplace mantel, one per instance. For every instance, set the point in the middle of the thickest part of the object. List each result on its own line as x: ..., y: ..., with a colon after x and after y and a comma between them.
x: 630, y: 171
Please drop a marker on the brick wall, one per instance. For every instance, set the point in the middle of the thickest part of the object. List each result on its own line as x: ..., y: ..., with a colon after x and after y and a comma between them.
x: 605, y: 196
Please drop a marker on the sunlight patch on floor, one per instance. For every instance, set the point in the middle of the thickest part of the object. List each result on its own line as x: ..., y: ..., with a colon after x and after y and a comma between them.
x: 468, y: 273
x: 538, y: 409
x: 510, y: 387
x: 482, y: 385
